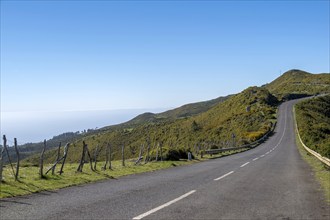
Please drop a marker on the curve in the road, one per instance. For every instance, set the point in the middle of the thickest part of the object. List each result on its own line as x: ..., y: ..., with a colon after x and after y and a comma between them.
x: 267, y: 182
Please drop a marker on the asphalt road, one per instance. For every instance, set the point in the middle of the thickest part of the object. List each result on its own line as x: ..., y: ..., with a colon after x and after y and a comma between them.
x: 268, y: 182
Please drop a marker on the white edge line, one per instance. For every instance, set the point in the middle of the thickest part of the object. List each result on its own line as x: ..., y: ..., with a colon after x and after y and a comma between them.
x: 255, y: 159
x: 262, y: 155
x: 221, y: 177
x: 245, y: 164
x: 164, y: 205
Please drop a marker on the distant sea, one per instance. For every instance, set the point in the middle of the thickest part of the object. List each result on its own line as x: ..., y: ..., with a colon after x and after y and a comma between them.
x: 36, y: 126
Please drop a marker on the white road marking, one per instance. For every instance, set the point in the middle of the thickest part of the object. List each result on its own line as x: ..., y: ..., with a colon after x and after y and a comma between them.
x: 164, y: 205
x: 221, y: 177
x: 193, y: 191
x: 285, y: 121
x: 245, y: 164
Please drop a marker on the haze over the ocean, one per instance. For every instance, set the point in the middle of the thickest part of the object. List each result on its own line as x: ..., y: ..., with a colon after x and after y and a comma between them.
x: 105, y: 55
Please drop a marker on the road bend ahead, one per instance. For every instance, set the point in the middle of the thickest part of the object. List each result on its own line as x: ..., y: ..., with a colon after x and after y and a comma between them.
x: 268, y: 182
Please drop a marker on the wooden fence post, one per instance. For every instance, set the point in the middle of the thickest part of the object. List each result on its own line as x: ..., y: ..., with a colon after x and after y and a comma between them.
x: 66, y: 149
x: 82, y: 160
x: 123, y: 155
x: 96, y: 154
x: 57, y: 158
x: 161, y: 151
x: 1, y: 157
x: 106, y: 157
x: 42, y: 160
x: 6, y: 149
x: 140, y: 155
x: 157, y: 152
x: 17, y: 154
x: 90, y: 158
x: 146, y: 160
x: 110, y: 165
x: 110, y: 157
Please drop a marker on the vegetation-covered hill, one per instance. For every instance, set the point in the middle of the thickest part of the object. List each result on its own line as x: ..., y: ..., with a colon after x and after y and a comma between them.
x: 313, y: 119
x: 192, y: 109
x: 296, y: 83
x: 222, y: 122
x: 248, y: 115
x: 188, y: 110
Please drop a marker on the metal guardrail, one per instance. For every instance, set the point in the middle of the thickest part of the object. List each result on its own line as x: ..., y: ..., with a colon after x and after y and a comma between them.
x: 324, y: 160
x: 251, y: 145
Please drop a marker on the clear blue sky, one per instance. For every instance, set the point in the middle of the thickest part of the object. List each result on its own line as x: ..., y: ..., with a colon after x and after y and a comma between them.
x: 84, y: 55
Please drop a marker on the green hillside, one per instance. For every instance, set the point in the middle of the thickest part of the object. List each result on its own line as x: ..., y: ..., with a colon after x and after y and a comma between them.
x: 296, y: 83
x: 313, y: 119
x: 248, y: 115
x: 192, y: 109
x: 187, y: 110
x: 222, y: 122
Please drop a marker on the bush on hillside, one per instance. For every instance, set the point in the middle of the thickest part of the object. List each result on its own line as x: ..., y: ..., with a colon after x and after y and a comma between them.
x: 313, y: 119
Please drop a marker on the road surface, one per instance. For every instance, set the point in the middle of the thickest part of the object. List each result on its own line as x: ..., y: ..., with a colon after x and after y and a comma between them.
x: 268, y: 182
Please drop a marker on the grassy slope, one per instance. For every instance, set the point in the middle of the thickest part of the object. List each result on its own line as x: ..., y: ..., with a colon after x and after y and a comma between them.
x: 30, y: 182
x: 188, y: 110
x: 299, y: 82
x: 173, y: 121
x: 313, y: 118
x: 214, y: 126
x: 192, y: 109
x: 321, y: 171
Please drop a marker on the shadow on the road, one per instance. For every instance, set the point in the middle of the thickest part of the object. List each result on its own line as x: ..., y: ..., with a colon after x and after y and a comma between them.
x: 10, y: 201
x: 226, y: 155
x: 46, y: 192
x: 98, y: 181
x: 259, y: 143
x: 269, y: 136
